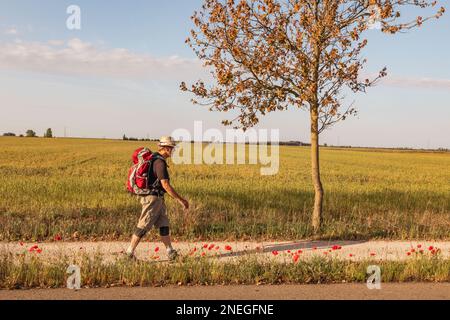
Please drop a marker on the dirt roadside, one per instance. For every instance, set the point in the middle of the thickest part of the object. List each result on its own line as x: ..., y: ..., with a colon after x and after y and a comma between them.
x: 395, y: 291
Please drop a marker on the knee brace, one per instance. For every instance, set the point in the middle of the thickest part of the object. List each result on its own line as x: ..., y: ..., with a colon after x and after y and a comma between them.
x: 140, y: 233
x: 164, y: 231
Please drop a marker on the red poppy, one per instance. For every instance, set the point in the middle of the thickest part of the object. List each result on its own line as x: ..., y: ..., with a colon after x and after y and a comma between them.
x: 228, y: 248
x: 421, y: 251
x: 289, y: 251
x: 205, y: 246
x: 325, y: 252
x: 275, y: 253
x: 350, y: 255
x: 156, y: 249
x: 372, y: 254
x: 430, y: 248
x: 433, y: 252
x: 408, y: 253
x: 299, y: 251
x: 315, y: 248
x: 21, y: 243
x: 39, y: 250
x: 336, y: 248
x: 195, y: 249
x: 296, y: 257
x: 203, y: 254
x: 57, y: 237
x: 217, y: 247
x: 156, y: 258
x: 211, y: 247
x: 419, y: 246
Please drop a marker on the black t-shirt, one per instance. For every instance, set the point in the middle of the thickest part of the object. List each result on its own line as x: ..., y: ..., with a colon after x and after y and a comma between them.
x: 160, y: 170
x: 160, y: 173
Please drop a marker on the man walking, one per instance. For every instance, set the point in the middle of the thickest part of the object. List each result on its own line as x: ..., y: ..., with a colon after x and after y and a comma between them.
x: 153, y: 206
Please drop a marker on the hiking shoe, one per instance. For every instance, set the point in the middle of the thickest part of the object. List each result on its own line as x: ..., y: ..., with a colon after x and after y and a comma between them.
x: 130, y: 256
x: 172, y: 255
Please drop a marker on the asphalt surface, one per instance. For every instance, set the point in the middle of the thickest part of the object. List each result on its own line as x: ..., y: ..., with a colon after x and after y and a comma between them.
x: 395, y: 291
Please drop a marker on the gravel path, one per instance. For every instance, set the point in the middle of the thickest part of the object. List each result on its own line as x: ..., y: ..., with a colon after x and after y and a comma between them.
x: 351, y: 250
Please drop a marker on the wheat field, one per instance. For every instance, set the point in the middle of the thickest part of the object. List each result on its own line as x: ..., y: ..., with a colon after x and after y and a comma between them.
x: 75, y: 188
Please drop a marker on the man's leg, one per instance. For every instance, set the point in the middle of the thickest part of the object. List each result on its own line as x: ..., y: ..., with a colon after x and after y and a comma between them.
x: 135, y: 239
x: 150, y: 208
x: 164, y: 231
x: 165, y: 238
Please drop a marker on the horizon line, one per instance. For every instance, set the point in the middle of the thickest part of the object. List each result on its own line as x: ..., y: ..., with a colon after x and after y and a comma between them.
x: 291, y: 143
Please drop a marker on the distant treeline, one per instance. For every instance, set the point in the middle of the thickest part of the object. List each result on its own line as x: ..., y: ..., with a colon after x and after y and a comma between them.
x: 125, y: 138
x: 48, y: 134
x: 30, y: 134
x: 303, y: 144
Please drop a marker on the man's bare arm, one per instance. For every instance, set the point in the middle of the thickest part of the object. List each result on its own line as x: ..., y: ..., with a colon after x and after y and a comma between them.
x: 171, y: 191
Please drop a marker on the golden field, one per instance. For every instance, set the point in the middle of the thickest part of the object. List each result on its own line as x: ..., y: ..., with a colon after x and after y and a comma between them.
x: 76, y: 188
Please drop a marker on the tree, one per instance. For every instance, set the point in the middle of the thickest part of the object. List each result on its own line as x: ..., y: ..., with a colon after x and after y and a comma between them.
x: 268, y: 55
x: 9, y: 134
x: 30, y: 134
x: 48, y: 133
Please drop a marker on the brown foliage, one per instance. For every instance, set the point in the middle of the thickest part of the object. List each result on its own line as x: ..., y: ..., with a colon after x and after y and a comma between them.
x: 267, y: 55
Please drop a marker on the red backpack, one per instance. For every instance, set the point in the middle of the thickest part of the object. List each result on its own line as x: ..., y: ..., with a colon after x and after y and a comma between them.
x: 138, y: 179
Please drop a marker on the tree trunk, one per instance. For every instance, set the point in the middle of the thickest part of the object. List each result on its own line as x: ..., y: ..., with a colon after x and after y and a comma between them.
x: 314, y: 109
x: 315, y: 171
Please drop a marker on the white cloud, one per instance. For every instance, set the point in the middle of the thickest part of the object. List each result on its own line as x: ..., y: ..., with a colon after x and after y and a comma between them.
x: 56, y: 43
x: 393, y: 80
x: 12, y: 31
x: 76, y: 57
x: 417, y: 82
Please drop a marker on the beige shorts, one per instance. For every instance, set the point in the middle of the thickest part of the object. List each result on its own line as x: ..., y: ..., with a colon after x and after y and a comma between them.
x: 154, y: 213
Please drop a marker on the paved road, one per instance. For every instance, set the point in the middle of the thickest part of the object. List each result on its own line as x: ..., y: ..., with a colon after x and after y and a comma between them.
x: 414, y: 291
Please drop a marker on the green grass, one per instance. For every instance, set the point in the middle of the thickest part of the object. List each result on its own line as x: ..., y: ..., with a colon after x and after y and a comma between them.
x: 63, y: 186
x: 28, y: 271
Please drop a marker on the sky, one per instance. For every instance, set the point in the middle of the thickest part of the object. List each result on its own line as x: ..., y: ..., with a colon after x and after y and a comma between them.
x: 120, y: 74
